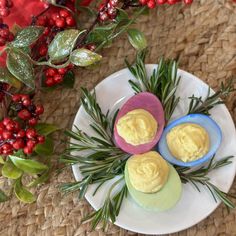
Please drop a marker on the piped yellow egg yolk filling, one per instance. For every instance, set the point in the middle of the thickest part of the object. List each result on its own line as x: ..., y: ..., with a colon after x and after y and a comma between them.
x: 148, y: 172
x: 188, y: 142
x: 137, y: 127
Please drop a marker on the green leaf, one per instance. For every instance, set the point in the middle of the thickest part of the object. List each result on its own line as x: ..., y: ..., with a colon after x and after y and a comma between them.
x: 63, y: 44
x: 22, y: 193
x: 7, y: 77
x: 46, y: 129
x: 9, y: 170
x: 3, y: 196
x: 69, y: 80
x: 27, y: 36
x: 20, y: 65
x: 45, y: 149
x: 121, y: 15
x: 41, y: 179
x: 137, y: 39
x: 83, y: 57
x: 28, y: 166
x: 1, y: 160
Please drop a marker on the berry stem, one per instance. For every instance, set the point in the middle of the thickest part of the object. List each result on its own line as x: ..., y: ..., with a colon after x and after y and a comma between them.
x: 35, y: 18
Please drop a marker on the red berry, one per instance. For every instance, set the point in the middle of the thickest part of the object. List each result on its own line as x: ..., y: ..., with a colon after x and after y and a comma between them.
x: 27, y: 150
x: 6, y: 120
x: 26, y: 102
x: 41, y: 139
x: 33, y: 121
x: 4, y: 33
x: 101, y: 6
x: 3, y: 3
x: 20, y: 134
x: 31, y: 143
x: 7, y: 152
x: 18, y: 144
x: 25, y: 97
x: 58, y: 79
x: 16, y: 97
x: 171, y: 2
x: 17, y: 126
x: 151, y: 4
x: 103, y: 16
x: 91, y: 47
x: 60, y: 23
x: 24, y: 114
x: 11, y: 37
x: 70, y: 21
x: 51, y: 72
x: 4, y: 12
x: 143, y: 2
x: 188, y: 1
x: 55, y: 16
x: 46, y: 31
x: 42, y: 21
x: 39, y: 109
x: 49, y: 81
x: 10, y: 126
x: 43, y: 50
x: 114, y: 3
x: 112, y: 12
x: 31, y: 133
x: 2, y: 42
x: 6, y: 134
x: 62, y: 71
x: 64, y: 13
x: 160, y: 2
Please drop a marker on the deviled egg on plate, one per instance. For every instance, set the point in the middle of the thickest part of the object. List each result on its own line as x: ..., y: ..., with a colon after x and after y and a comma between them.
x: 190, y: 140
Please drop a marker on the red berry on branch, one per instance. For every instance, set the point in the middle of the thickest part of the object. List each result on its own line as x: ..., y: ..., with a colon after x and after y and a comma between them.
x: 18, y: 144
x: 3, y: 3
x: 25, y: 97
x: 6, y: 120
x: 31, y: 133
x: 171, y: 2
x: 114, y: 3
x: 62, y: 71
x: 64, y: 13
x: 143, y: 2
x: 20, y: 134
x: 55, y: 16
x: 46, y: 31
x: 151, y: 4
x: 33, y: 121
x: 60, y: 23
x: 43, y: 50
x: 26, y: 102
x: 10, y: 126
x: 188, y: 1
x: 91, y: 47
x: 160, y: 2
x: 41, y: 139
x: 58, y: 78
x: 6, y: 134
x: 42, y: 21
x: 51, y: 72
x: 4, y: 12
x: 70, y: 21
x: 4, y: 33
x: 27, y: 150
x: 103, y: 16
x: 39, y: 109
x: 24, y: 114
x: 2, y: 42
x: 49, y: 81
x: 16, y: 97
x: 31, y: 143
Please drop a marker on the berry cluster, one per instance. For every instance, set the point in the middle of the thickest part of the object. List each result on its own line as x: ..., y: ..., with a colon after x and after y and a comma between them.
x: 3, y: 87
x: 107, y: 10
x: 13, y: 137
x: 5, y: 6
x: 55, y: 76
x: 153, y: 3
x: 5, y: 34
x: 26, y: 110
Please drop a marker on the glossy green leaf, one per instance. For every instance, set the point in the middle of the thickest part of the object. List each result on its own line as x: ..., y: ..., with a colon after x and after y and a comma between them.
x: 62, y: 45
x: 9, y: 170
x: 68, y: 80
x: 137, y: 39
x: 46, y: 129
x: 45, y: 149
x: 41, y: 179
x: 83, y: 57
x: 7, y: 77
x: 22, y: 193
x: 27, y: 36
x: 121, y: 15
x: 20, y: 65
x: 3, y: 196
x: 28, y: 166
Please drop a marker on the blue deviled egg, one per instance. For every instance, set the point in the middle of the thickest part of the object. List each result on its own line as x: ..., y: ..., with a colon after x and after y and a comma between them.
x: 190, y: 140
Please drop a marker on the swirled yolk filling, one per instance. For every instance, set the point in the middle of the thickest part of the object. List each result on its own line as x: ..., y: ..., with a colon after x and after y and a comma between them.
x: 137, y: 127
x: 188, y: 142
x: 148, y: 172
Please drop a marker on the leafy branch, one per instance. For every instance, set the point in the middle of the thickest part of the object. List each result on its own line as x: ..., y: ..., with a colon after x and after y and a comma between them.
x: 163, y: 81
x: 110, y: 208
x: 199, y: 176
x: 198, y: 105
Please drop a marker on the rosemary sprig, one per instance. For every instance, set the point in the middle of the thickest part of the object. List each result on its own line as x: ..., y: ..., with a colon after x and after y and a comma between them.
x: 163, y: 81
x: 198, y: 105
x: 110, y: 208
x: 199, y: 176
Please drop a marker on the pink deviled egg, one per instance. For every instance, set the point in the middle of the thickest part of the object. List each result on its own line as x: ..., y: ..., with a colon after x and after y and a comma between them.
x: 139, y: 123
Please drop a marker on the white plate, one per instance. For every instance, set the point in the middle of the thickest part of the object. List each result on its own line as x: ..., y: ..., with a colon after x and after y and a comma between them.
x: 193, y: 206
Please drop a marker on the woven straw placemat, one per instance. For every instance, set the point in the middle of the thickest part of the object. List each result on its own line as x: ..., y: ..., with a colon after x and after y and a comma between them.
x: 203, y: 37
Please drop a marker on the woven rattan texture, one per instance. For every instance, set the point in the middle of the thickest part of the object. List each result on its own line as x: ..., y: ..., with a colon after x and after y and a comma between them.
x: 203, y: 37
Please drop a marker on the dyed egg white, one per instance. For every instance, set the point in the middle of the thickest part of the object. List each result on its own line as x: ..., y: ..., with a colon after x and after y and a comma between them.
x: 150, y: 103
x: 214, y: 133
